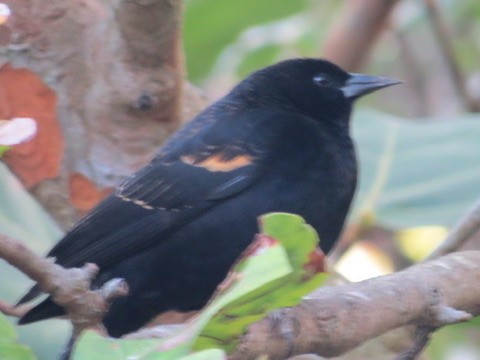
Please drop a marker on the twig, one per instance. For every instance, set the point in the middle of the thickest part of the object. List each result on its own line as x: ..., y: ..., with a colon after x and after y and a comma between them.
x: 468, y: 225
x: 415, y: 77
x: 348, y: 43
x: 69, y: 288
x: 445, y: 42
x: 11, y: 310
x: 422, y: 337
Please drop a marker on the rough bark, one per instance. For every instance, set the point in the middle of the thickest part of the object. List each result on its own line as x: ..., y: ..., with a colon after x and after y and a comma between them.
x: 118, y: 73
x: 334, y: 320
x: 69, y: 288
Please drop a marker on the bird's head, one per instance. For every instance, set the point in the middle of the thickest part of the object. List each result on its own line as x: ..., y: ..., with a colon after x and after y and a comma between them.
x: 314, y: 87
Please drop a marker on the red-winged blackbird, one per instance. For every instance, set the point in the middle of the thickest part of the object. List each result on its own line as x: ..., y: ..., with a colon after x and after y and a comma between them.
x: 279, y: 141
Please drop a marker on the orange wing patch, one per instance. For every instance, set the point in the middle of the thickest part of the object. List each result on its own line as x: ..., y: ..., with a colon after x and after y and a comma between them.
x: 217, y: 162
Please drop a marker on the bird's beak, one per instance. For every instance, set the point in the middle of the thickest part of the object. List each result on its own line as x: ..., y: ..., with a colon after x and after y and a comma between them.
x: 358, y: 85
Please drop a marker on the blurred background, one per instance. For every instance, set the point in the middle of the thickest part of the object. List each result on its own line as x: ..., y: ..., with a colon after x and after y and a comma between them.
x: 418, y: 143
x: 431, y: 45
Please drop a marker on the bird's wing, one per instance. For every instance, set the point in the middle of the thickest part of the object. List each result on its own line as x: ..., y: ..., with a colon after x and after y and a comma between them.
x: 189, y: 175
x: 209, y: 160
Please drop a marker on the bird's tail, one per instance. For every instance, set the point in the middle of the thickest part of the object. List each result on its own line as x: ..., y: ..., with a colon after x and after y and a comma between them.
x: 45, y: 310
x: 34, y: 292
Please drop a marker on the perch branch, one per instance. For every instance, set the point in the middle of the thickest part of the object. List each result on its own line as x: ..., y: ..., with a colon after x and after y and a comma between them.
x: 69, y: 288
x: 334, y: 320
x: 331, y: 321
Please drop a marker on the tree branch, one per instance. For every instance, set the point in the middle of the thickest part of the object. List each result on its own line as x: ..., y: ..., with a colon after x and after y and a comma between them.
x: 69, y: 288
x: 422, y: 337
x: 331, y: 321
x: 117, y: 70
x: 445, y: 42
x: 468, y: 225
x: 334, y: 320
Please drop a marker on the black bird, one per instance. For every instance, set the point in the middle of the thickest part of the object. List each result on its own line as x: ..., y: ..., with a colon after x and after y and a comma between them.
x: 279, y: 141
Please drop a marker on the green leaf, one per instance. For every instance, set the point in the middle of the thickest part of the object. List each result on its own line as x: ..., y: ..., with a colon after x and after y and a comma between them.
x: 92, y: 346
x: 3, y: 149
x: 211, y: 25
x: 299, y: 241
x: 7, y: 332
x: 211, y: 354
x: 416, y: 173
x: 22, y: 218
x: 10, y: 349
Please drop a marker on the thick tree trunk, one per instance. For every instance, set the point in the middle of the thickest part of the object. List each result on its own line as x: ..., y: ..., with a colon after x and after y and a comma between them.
x: 117, y: 74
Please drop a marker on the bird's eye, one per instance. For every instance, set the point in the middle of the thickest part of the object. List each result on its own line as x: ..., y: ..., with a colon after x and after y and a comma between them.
x: 322, y: 80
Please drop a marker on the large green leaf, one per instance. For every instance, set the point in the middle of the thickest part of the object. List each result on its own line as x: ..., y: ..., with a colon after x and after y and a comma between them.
x: 92, y: 346
x: 417, y: 173
x: 22, y: 218
x: 299, y: 240
x: 210, y: 354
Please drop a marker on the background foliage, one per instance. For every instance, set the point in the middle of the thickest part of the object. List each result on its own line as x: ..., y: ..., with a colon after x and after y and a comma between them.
x: 419, y: 167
